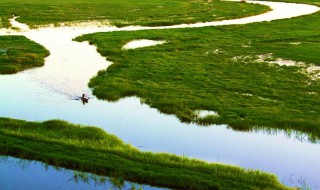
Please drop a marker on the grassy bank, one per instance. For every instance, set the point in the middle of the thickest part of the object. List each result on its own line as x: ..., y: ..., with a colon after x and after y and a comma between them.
x: 125, y: 12
x: 92, y: 150
x: 18, y: 53
x: 226, y: 69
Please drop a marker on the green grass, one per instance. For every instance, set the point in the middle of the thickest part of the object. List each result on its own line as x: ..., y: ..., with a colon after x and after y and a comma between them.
x: 196, y: 70
x: 18, y: 53
x: 91, y: 149
x: 124, y: 12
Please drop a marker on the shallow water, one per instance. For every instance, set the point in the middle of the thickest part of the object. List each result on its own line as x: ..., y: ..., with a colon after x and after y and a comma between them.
x: 17, y: 174
x: 49, y: 92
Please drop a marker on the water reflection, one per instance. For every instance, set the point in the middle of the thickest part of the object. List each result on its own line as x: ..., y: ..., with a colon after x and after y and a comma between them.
x: 17, y: 174
x: 288, y: 133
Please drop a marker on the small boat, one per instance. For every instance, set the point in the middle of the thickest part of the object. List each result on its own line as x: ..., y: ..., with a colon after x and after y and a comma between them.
x: 84, y: 99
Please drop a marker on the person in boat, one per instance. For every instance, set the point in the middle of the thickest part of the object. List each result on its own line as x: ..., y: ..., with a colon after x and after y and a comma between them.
x: 84, y: 99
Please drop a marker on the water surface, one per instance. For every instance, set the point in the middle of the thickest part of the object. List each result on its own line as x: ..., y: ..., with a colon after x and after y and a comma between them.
x: 49, y: 92
x: 288, y: 157
x: 17, y: 174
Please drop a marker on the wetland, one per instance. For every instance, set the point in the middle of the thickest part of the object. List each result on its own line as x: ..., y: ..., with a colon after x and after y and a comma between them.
x: 208, y: 83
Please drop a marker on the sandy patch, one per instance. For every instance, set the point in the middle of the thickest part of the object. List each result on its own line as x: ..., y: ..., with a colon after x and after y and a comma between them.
x: 263, y: 58
x: 92, y: 23
x: 269, y: 58
x: 311, y: 70
x: 266, y: 99
x: 246, y: 94
x: 285, y: 62
x: 314, y: 72
x: 142, y: 43
x: 295, y: 43
x: 312, y: 93
x: 206, y: 113
x: 255, y: 96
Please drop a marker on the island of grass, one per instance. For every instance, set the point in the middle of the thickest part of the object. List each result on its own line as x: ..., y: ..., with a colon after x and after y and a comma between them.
x: 18, y: 53
x: 92, y: 150
x: 125, y: 12
x: 234, y: 71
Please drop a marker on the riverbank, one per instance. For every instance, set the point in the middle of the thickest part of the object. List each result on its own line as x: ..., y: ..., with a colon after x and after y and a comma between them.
x: 92, y: 150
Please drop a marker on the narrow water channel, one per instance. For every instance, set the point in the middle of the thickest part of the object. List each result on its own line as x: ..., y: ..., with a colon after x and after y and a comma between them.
x: 49, y: 92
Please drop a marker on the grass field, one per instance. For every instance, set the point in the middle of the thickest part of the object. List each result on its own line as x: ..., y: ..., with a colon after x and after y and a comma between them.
x: 18, y: 53
x: 226, y: 69
x: 124, y: 12
x: 92, y: 150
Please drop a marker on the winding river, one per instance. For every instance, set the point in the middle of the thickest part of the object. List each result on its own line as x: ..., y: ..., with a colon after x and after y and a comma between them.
x: 50, y: 92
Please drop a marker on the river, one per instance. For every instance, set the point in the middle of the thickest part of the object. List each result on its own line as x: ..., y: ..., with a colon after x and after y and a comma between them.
x: 50, y: 92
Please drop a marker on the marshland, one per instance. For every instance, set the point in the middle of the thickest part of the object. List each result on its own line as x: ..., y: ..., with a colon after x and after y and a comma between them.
x: 216, y: 103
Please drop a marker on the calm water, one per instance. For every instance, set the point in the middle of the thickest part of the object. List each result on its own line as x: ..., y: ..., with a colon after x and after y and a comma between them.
x: 17, y: 174
x: 49, y: 92
x: 24, y: 97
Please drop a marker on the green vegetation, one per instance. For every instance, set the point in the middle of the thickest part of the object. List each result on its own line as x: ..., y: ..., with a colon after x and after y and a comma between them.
x: 218, y: 68
x: 226, y: 69
x: 125, y: 12
x: 18, y: 53
x: 92, y: 150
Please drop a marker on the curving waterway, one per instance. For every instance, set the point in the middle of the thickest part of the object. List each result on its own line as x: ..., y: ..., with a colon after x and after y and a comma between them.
x: 49, y: 92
